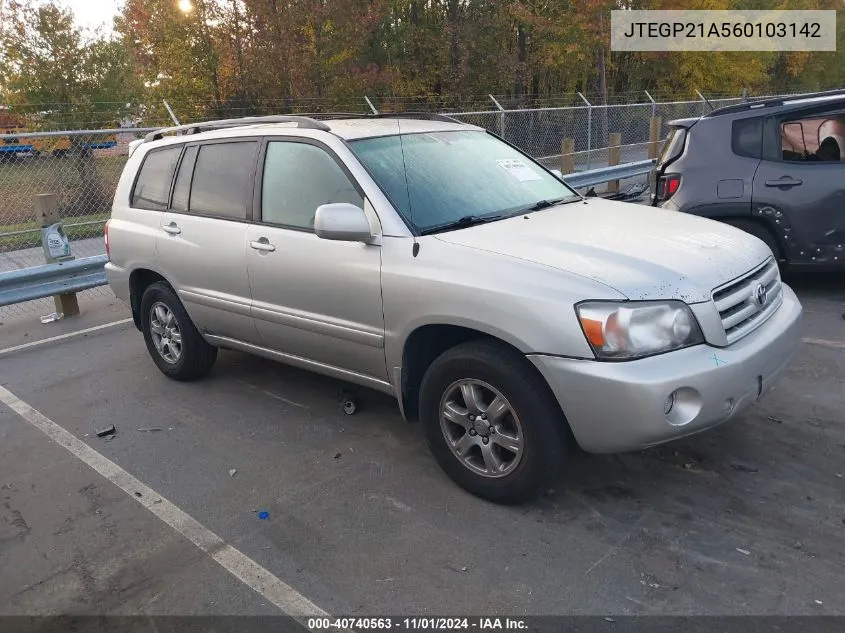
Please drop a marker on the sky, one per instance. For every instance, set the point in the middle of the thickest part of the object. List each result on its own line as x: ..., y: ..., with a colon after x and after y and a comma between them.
x: 91, y: 14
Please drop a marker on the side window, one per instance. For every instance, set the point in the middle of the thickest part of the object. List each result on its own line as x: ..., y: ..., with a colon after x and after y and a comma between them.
x: 817, y: 139
x: 747, y: 137
x: 298, y: 178
x: 221, y: 176
x: 152, y: 188
x: 182, y: 188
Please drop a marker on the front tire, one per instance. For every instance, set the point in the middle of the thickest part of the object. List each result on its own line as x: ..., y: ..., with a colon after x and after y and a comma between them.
x: 491, y: 422
x: 173, y: 341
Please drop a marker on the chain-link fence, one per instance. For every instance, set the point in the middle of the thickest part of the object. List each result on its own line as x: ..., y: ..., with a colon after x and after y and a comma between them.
x: 81, y: 168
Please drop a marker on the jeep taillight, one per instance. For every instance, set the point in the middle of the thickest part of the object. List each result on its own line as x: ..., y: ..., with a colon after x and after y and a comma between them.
x: 106, y: 238
x: 667, y: 186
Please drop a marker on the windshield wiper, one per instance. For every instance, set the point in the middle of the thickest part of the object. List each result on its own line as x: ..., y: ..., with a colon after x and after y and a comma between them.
x: 545, y: 204
x: 461, y: 223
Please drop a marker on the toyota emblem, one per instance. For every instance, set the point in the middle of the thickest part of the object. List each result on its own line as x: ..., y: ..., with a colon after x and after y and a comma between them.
x: 760, y: 295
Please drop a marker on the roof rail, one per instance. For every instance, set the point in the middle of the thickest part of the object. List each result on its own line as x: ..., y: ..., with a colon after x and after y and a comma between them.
x: 773, y: 102
x: 195, y: 128
x: 431, y: 116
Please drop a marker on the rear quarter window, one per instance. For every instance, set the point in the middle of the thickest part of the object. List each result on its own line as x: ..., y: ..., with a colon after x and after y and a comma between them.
x: 747, y: 138
x: 152, y: 187
x: 673, y: 146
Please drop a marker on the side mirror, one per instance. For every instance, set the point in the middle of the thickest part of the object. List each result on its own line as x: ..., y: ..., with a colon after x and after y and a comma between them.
x: 342, y: 222
x: 557, y: 173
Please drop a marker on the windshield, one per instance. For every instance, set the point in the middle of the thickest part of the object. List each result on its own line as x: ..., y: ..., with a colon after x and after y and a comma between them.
x: 456, y: 175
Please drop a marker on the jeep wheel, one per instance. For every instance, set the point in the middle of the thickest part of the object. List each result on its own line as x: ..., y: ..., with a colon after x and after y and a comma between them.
x: 491, y: 422
x: 175, y: 344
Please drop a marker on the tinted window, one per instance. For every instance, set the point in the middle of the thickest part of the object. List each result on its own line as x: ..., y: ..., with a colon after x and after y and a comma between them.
x: 182, y: 189
x: 747, y: 137
x: 152, y: 189
x: 221, y: 176
x: 298, y: 178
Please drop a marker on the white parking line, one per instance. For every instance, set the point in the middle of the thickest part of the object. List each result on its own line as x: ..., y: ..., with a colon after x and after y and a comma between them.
x: 62, y: 337
x: 241, y: 566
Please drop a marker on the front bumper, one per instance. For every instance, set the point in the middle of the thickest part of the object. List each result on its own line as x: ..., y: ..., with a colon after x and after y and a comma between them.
x: 616, y: 407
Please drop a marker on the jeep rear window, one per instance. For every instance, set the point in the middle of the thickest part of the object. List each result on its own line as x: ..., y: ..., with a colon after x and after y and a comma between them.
x: 747, y: 137
x: 673, y: 146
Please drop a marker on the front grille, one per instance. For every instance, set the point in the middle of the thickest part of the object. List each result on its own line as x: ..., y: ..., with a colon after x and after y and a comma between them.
x: 739, y: 303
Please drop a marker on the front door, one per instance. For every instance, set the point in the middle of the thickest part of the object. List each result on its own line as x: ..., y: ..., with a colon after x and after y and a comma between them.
x: 314, y: 299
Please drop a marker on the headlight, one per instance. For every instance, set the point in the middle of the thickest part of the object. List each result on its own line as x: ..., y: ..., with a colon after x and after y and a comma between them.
x: 634, y: 329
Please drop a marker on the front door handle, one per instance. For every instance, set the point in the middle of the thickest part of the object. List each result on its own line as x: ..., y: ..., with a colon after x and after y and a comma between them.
x: 172, y: 229
x: 786, y: 181
x: 262, y: 244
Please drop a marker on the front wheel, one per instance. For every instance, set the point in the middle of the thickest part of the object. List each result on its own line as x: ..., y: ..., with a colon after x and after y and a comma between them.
x: 176, y: 346
x: 491, y: 422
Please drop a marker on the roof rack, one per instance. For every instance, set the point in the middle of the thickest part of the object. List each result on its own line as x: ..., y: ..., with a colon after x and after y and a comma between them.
x: 773, y: 102
x: 195, y: 128
x: 308, y: 121
x: 430, y: 116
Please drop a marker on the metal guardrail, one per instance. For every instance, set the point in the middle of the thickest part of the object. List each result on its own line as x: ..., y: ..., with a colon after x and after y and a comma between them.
x: 592, y: 177
x: 38, y: 282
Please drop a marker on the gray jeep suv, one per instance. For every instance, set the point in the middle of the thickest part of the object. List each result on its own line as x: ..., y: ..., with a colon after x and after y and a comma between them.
x: 773, y: 168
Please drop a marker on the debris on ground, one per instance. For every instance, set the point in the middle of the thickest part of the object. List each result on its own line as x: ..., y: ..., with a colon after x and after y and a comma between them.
x: 53, y: 316
x: 744, y: 468
x: 463, y: 568
x: 337, y: 455
x: 154, y: 429
x: 819, y: 602
x: 232, y: 472
x: 109, y: 430
x: 263, y: 515
x: 743, y: 551
x: 608, y: 619
x: 774, y: 419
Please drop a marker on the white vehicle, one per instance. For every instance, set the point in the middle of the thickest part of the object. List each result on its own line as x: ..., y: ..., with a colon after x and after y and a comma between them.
x: 433, y: 261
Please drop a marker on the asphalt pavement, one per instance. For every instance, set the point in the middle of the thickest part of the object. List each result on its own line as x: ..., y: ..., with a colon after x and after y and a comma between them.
x: 746, y: 519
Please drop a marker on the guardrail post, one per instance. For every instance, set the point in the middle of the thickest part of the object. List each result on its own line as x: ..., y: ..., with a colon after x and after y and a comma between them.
x: 654, y: 136
x: 567, y: 156
x: 613, y: 154
x: 47, y: 213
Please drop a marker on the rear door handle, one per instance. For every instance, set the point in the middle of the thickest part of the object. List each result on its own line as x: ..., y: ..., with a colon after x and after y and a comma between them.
x: 172, y: 229
x: 786, y: 181
x: 262, y: 244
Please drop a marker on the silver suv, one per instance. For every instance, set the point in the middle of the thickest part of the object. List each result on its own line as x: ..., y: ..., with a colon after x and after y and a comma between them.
x: 435, y: 262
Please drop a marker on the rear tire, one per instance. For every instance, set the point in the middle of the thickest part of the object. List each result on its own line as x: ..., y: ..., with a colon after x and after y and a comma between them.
x: 491, y: 422
x: 173, y: 341
x: 761, y: 232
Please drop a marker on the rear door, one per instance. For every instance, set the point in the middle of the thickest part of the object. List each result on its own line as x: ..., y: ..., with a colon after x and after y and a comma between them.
x: 803, y: 201
x: 202, y: 236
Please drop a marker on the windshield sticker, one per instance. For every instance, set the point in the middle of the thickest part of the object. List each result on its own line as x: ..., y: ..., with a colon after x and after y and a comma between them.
x: 518, y: 169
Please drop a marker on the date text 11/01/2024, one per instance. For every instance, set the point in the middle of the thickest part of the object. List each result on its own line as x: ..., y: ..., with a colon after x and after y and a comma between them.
x: 417, y: 624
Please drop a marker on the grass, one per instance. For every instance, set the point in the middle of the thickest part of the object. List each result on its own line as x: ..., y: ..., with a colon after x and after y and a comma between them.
x: 84, y: 188
x: 29, y: 240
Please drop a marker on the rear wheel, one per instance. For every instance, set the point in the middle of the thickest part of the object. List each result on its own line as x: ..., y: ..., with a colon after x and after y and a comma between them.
x: 491, y: 422
x: 761, y: 232
x: 173, y: 341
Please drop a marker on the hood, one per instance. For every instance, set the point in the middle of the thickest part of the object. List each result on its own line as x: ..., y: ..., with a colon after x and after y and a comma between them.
x: 643, y: 252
